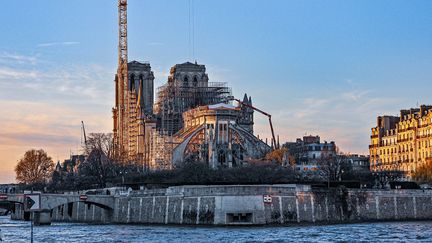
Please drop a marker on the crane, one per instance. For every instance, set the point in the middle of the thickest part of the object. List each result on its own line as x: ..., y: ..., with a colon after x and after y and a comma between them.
x: 276, y: 146
x: 84, y: 133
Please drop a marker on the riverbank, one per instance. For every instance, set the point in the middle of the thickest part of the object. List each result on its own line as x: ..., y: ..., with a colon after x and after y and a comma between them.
x: 287, y: 204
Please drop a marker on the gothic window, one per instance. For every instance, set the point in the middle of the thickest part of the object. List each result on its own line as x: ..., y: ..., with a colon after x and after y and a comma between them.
x: 195, y: 81
x: 132, y: 82
x: 186, y: 81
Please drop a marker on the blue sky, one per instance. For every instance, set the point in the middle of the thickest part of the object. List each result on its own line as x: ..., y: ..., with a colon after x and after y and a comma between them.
x: 319, y: 67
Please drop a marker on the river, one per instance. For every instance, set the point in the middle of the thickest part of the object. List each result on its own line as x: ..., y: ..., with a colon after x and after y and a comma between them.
x: 19, y: 231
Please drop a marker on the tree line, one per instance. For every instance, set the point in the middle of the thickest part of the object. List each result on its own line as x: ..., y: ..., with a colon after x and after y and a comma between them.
x: 102, y: 168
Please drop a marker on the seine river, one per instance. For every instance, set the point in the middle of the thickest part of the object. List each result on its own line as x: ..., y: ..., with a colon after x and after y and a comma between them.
x: 19, y: 231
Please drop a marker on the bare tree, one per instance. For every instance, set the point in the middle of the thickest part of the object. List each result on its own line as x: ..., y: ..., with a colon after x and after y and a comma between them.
x: 35, y: 167
x: 333, y: 167
x: 99, y: 164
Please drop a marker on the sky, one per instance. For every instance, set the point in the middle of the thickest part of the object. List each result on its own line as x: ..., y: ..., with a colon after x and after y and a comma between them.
x: 320, y: 67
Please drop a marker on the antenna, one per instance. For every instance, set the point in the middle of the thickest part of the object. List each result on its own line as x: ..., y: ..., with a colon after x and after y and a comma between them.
x: 193, y: 30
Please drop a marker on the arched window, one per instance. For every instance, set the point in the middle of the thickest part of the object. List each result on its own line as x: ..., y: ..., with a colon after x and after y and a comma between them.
x: 132, y: 82
x: 141, y: 79
x: 195, y: 81
x: 186, y: 81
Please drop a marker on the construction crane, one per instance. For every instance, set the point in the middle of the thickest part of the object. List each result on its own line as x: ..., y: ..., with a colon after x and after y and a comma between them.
x: 120, y: 112
x: 276, y: 146
x: 84, y: 133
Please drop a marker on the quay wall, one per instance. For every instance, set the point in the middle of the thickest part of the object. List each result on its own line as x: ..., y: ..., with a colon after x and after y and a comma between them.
x: 242, y: 205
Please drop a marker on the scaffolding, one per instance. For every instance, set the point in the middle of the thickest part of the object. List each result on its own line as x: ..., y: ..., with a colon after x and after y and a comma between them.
x: 174, y: 98
x: 133, y: 125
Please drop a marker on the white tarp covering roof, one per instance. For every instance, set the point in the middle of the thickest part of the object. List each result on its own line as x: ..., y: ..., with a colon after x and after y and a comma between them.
x: 221, y: 105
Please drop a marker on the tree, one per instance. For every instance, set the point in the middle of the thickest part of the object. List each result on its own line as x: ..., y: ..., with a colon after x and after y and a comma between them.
x: 276, y: 155
x: 99, y: 165
x: 35, y: 167
x: 334, y: 167
x: 423, y: 174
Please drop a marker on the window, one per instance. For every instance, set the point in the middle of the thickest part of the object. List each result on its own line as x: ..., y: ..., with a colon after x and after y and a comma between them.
x: 132, y: 82
x: 239, y: 217
x: 195, y: 81
x: 185, y: 81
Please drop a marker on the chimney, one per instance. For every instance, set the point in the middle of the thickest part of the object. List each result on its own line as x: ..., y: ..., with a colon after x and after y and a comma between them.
x: 379, y: 120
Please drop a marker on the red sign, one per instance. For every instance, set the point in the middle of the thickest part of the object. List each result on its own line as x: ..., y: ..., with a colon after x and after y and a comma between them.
x: 3, y: 196
x: 267, y: 198
x: 83, y: 197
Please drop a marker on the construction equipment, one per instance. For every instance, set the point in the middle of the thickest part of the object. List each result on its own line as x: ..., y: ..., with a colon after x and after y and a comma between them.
x: 276, y: 145
x: 121, y: 109
x: 84, y: 133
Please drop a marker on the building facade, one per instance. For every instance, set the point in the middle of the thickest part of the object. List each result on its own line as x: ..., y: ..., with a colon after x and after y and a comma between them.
x: 309, y: 152
x: 187, y: 87
x: 402, y: 143
x: 134, y: 103
x: 212, y: 135
x: 357, y: 163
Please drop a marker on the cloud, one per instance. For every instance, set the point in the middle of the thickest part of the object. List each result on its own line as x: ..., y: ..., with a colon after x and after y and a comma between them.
x: 6, y: 74
x: 64, y: 43
x: 7, y: 57
x: 345, y: 117
x: 43, y: 104
x: 33, y: 138
x: 355, y: 95
x: 78, y: 81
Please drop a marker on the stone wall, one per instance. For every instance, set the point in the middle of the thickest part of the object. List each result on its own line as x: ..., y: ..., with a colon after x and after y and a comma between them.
x: 238, y: 205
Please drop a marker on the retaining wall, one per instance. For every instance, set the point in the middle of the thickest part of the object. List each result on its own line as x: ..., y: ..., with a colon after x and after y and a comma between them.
x: 237, y: 205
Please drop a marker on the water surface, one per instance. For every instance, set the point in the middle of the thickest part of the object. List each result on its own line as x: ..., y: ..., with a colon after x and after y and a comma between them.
x: 19, y: 231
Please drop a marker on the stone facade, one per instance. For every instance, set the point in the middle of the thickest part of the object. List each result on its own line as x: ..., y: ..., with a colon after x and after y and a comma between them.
x: 154, y: 135
x: 187, y: 87
x: 141, y: 80
x: 133, y: 103
x: 212, y: 135
x: 402, y: 143
x: 309, y: 152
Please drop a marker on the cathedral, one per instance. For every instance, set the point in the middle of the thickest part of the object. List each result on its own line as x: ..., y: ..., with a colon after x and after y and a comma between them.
x: 192, y: 118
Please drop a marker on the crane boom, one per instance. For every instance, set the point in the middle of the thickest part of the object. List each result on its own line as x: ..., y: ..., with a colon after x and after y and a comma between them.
x: 276, y: 146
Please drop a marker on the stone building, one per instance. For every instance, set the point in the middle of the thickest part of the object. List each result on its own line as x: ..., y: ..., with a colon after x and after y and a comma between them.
x: 134, y: 102
x: 357, y: 163
x: 246, y: 119
x: 309, y: 152
x: 188, y: 87
x: 70, y: 165
x: 402, y: 143
x: 144, y: 131
x: 141, y: 80
x: 156, y: 135
x: 212, y: 135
